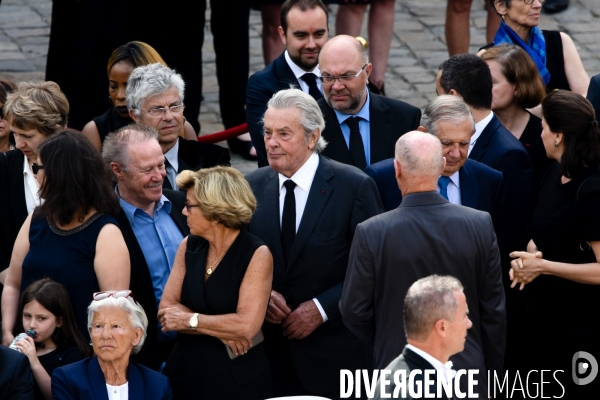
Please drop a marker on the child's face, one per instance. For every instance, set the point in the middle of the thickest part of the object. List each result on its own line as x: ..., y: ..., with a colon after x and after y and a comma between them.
x: 42, y: 321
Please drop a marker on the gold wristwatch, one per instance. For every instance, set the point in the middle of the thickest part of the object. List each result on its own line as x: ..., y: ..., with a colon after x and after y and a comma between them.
x: 194, y: 321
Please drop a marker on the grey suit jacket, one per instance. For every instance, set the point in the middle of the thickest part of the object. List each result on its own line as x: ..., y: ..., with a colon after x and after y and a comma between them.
x: 426, y: 235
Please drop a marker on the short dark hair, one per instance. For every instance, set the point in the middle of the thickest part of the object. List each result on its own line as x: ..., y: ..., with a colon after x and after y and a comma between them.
x: 54, y: 297
x: 520, y: 70
x: 76, y: 179
x: 303, y: 5
x: 470, y: 76
x: 572, y: 115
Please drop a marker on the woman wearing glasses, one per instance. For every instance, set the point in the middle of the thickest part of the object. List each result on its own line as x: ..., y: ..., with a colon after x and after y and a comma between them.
x: 117, y: 325
x: 34, y: 112
x: 71, y: 237
x: 553, y: 52
x: 217, y: 294
x: 121, y: 63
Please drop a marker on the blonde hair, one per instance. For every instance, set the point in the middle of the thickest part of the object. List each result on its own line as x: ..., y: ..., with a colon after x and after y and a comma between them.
x: 223, y: 194
x: 37, y: 105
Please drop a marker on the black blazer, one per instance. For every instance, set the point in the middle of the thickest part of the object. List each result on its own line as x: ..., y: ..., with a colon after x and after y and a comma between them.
x: 12, y: 199
x: 409, y: 361
x: 340, y: 197
x: 426, y: 235
x: 194, y: 155
x: 261, y: 87
x: 499, y: 149
x: 141, y: 281
x: 480, y: 186
x: 16, y: 379
x: 593, y: 94
x: 389, y: 118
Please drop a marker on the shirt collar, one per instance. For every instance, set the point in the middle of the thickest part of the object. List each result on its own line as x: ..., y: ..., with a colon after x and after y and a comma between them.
x: 171, y: 155
x: 298, y: 72
x: 479, y: 127
x: 304, y: 176
x: 26, y: 169
x: 130, y: 209
x: 364, y: 112
x: 435, y: 363
x: 455, y: 179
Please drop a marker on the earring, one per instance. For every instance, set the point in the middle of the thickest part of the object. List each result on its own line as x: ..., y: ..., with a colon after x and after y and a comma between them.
x: 214, y: 221
x: 555, y: 143
x: 503, y: 16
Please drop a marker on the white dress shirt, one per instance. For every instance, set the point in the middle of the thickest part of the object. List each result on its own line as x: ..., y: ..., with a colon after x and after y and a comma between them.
x: 444, y: 369
x: 479, y: 127
x: 453, y: 189
x: 298, y: 72
x: 171, y: 155
x: 118, y: 392
x: 303, y: 178
x: 32, y: 197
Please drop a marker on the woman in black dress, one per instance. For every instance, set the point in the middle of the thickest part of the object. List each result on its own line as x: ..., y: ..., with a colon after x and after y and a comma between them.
x: 517, y: 87
x: 561, y: 267
x: 217, y: 294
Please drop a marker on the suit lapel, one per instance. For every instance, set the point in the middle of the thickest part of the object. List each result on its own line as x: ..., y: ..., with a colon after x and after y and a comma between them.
x: 17, y: 186
x: 284, y: 73
x: 468, y: 187
x: 97, y: 380
x: 320, y: 192
x: 336, y: 149
x: 183, y: 155
x: 381, y: 131
x: 484, y: 139
x: 270, y: 202
x: 136, y: 384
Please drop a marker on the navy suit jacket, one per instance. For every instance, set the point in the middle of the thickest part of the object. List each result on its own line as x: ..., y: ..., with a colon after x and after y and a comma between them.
x: 389, y: 119
x: 593, y: 94
x: 261, y: 87
x: 497, y: 148
x: 480, y: 186
x: 340, y: 197
x: 85, y: 380
x: 16, y: 380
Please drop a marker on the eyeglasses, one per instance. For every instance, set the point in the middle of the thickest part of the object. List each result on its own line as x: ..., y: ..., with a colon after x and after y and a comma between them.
x: 128, y: 294
x: 188, y: 206
x: 159, y: 112
x: 35, y: 168
x: 530, y: 2
x: 330, y: 80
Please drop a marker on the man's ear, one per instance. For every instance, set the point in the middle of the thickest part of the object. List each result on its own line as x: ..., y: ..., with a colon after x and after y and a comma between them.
x: 282, y: 35
x: 421, y: 128
x: 440, y: 328
x: 133, y: 116
x: 453, y: 92
x: 443, y: 165
x: 397, y: 169
x: 116, y: 169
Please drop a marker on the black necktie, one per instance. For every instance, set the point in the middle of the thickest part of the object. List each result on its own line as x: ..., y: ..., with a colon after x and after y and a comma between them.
x: 288, y: 220
x: 357, y: 148
x: 166, y: 181
x: 313, y: 89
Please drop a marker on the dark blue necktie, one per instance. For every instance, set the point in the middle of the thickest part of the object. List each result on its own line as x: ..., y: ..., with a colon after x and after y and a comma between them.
x: 313, y: 89
x: 357, y: 148
x: 443, y: 182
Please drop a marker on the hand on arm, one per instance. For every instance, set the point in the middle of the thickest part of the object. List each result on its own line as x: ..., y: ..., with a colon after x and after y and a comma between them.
x: 111, y: 264
x: 278, y: 309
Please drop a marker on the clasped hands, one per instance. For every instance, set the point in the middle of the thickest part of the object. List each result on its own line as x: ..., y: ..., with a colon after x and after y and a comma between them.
x: 525, y: 267
x: 296, y: 324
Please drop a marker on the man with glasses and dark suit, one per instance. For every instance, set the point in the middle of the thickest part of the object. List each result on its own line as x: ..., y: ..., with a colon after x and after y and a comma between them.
x: 361, y: 127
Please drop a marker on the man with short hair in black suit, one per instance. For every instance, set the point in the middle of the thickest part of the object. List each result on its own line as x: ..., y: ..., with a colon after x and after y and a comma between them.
x: 464, y: 181
x: 425, y: 235
x: 152, y: 223
x: 436, y: 320
x: 360, y: 127
x: 16, y: 379
x: 308, y: 208
x: 304, y: 31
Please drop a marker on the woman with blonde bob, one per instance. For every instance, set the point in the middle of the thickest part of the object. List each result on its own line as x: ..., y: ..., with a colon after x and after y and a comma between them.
x: 217, y: 294
x: 117, y: 325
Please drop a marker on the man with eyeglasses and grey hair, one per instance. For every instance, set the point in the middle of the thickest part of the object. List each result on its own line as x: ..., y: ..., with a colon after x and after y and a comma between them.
x: 308, y: 209
x: 360, y: 127
x: 155, y: 98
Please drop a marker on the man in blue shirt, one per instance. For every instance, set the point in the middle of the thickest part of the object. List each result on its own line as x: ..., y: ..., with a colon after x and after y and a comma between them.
x: 152, y: 224
x: 360, y: 127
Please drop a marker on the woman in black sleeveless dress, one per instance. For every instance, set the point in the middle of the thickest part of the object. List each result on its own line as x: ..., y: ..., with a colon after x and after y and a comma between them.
x: 217, y: 294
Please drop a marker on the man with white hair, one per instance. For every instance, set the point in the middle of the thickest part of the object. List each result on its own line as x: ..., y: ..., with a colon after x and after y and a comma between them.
x: 308, y: 209
x: 155, y: 99
x: 425, y: 235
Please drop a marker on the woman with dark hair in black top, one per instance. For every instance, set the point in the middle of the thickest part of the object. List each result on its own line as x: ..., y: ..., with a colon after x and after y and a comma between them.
x: 561, y: 266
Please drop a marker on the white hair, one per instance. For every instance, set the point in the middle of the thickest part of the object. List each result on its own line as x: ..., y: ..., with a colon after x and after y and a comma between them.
x: 151, y: 80
x: 446, y: 108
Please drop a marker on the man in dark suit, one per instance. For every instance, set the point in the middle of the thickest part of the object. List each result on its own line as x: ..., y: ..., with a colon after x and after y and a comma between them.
x: 152, y: 223
x: 360, y: 127
x: 16, y: 380
x: 436, y: 322
x: 593, y: 94
x: 155, y: 98
x: 463, y: 182
x: 304, y: 31
x: 425, y: 235
x: 308, y: 209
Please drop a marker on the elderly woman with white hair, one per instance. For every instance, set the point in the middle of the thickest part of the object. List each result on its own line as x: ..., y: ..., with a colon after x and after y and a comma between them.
x: 117, y: 325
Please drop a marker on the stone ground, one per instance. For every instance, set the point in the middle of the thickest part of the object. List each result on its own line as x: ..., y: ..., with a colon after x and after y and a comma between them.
x: 418, y: 47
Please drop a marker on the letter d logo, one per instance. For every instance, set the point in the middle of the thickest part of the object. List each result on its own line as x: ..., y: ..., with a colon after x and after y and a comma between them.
x: 583, y: 367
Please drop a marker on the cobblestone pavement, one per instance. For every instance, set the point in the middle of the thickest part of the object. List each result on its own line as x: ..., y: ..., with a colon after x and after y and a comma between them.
x: 418, y: 47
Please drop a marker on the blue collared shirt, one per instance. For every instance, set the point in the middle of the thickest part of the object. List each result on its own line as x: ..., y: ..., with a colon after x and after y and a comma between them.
x: 159, y: 237
x: 364, y: 125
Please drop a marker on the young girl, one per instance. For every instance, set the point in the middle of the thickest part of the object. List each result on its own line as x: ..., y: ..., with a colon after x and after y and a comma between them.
x: 46, y: 309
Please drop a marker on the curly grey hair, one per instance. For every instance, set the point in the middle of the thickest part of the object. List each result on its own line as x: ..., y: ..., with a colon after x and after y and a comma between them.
x: 151, y: 80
